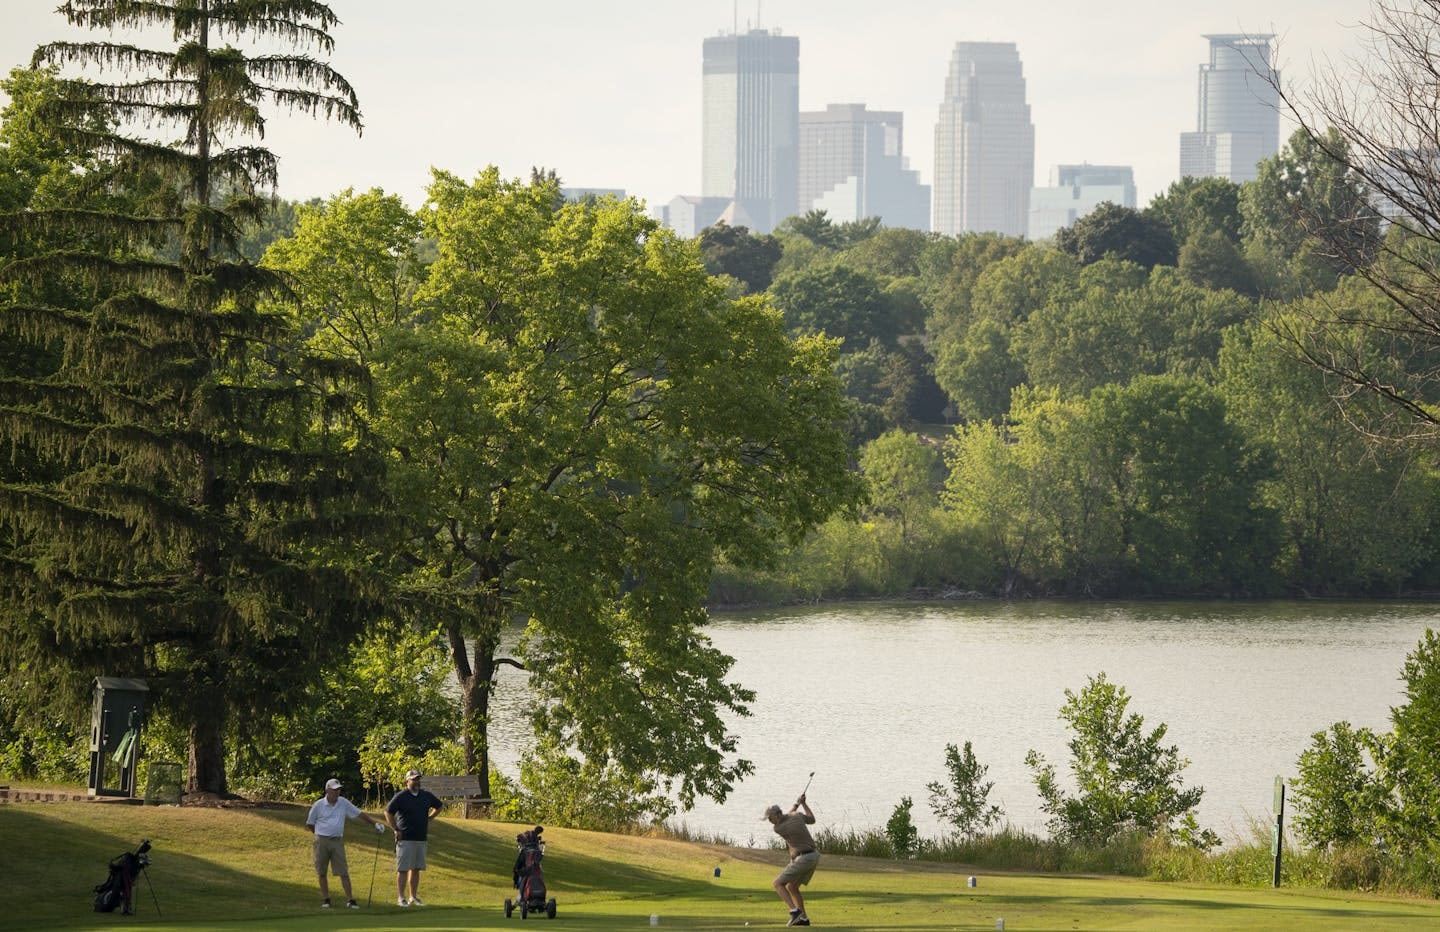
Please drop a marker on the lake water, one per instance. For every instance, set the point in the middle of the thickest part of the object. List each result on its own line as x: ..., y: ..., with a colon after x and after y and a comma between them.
x: 867, y: 695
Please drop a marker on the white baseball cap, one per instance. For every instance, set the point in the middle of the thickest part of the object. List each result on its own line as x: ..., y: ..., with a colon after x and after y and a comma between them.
x: 332, y: 784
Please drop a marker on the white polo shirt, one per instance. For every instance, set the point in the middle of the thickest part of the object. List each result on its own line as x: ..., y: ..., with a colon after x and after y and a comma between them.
x: 329, y: 820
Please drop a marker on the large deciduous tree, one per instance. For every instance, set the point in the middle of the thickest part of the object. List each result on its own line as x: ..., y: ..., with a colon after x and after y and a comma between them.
x: 902, y: 472
x: 1197, y: 205
x: 979, y: 372
x: 949, y: 268
x: 1139, y: 487
x: 838, y: 301
x: 1119, y: 323
x: 187, y: 512
x: 1356, y: 514
x: 1309, y: 216
x: 1119, y: 232
x: 582, y: 422
x: 744, y: 256
x: 1183, y: 480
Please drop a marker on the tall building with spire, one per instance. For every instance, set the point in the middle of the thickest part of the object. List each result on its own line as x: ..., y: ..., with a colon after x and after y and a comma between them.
x: 984, y: 143
x: 1238, y: 122
x: 751, y: 126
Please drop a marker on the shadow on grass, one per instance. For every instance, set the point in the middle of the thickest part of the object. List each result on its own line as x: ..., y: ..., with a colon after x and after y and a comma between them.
x: 481, y: 857
x: 52, y: 884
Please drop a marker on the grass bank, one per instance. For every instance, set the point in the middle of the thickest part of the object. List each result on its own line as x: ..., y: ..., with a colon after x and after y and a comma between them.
x: 248, y: 868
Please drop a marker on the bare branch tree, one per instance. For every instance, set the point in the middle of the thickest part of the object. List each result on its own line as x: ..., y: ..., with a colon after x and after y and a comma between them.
x: 1377, y: 114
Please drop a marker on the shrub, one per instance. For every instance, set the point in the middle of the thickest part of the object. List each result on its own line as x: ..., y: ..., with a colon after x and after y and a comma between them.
x: 965, y: 802
x: 51, y: 749
x: 1336, y: 793
x: 1128, y: 782
x: 900, y: 830
x: 1355, y: 867
x: 1411, y: 765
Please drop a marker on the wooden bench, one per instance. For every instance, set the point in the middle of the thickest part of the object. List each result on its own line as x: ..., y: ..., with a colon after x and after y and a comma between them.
x: 465, y: 786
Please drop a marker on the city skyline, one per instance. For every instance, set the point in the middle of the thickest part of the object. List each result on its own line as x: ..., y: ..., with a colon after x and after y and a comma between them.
x: 610, y: 95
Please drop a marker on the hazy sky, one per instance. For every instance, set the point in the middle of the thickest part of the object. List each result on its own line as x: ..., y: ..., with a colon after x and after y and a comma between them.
x: 607, y: 92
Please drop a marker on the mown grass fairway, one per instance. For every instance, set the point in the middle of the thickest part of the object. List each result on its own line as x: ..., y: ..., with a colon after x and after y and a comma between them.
x: 250, y: 869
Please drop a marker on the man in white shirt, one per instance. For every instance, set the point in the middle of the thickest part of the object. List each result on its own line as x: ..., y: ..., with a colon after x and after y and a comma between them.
x: 327, y: 820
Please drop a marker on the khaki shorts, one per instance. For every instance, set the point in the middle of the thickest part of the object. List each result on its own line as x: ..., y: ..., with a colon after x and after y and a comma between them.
x: 409, y: 856
x: 800, y: 869
x: 330, y: 851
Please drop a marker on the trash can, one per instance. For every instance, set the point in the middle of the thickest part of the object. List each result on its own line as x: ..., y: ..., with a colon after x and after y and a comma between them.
x: 117, y: 715
x: 164, y: 783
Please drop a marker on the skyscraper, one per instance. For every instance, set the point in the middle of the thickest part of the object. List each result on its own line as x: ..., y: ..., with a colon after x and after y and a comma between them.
x: 751, y: 124
x: 852, y: 166
x: 984, y: 143
x: 1239, y: 111
x: 1076, y: 190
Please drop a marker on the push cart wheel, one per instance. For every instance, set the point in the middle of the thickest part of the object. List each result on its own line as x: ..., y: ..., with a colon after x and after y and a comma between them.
x: 509, y: 908
x: 550, y: 909
x: 524, y: 907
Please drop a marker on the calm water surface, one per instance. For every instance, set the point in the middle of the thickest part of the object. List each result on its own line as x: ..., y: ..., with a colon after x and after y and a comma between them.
x: 867, y: 695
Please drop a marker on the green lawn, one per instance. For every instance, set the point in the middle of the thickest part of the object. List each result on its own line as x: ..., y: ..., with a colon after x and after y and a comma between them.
x: 248, y: 868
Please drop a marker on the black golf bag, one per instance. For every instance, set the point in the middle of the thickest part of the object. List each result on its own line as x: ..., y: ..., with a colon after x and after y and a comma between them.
x: 529, y: 876
x: 118, y: 889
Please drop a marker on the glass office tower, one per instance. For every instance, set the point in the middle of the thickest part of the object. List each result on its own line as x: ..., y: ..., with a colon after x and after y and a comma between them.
x: 984, y: 143
x: 751, y: 124
x: 853, y: 166
x: 1076, y: 190
x: 1238, y: 122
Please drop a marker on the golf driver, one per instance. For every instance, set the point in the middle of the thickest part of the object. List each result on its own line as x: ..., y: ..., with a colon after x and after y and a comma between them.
x: 807, y: 785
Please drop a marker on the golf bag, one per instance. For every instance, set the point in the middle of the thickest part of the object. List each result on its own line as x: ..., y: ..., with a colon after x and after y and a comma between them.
x: 529, y: 876
x: 118, y: 889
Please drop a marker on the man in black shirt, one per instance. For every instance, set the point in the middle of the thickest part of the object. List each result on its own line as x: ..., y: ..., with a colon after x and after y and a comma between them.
x: 408, y: 815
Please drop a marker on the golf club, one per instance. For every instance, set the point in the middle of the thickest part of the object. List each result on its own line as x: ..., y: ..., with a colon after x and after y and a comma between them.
x: 807, y: 785
x: 378, y: 835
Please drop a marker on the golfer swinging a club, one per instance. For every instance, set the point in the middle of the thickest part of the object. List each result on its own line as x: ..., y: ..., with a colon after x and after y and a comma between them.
x: 792, y: 826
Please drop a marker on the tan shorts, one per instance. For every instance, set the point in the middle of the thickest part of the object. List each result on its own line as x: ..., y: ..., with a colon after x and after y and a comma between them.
x: 330, y: 851
x: 800, y: 869
x: 409, y: 856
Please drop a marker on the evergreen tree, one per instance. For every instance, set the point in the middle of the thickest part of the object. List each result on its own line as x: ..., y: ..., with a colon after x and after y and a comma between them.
x: 189, y: 510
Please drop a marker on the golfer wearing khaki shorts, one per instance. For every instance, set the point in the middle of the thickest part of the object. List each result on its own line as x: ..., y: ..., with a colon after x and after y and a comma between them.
x: 327, y: 820
x: 794, y: 828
